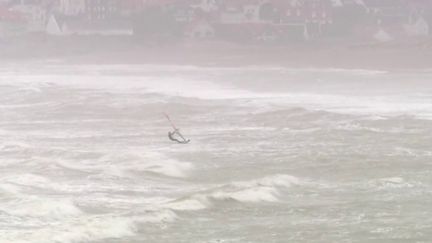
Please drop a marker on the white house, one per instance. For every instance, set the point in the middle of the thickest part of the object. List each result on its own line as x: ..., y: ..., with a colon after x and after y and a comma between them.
x: 418, y: 27
x: 76, y: 26
x: 72, y: 7
x: 206, y: 5
x: 238, y: 13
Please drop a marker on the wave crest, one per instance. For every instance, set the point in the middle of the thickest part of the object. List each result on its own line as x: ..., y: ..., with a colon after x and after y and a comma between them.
x: 267, y: 189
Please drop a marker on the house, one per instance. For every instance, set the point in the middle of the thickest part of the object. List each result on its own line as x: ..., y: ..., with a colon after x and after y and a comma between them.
x: 398, y: 19
x: 147, y: 3
x: 306, y: 18
x: 130, y: 7
x: 239, y: 20
x: 272, y: 19
x: 66, y: 26
x: 34, y: 14
x: 71, y: 7
x: 11, y: 23
x: 387, y: 11
x: 8, y: 15
x: 232, y: 13
x: 241, y: 12
x: 417, y: 27
x: 342, y: 3
x: 96, y: 10
x: 205, y: 5
x: 420, y: 14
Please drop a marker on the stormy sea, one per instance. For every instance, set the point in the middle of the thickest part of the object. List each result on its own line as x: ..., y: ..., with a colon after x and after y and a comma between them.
x: 276, y: 154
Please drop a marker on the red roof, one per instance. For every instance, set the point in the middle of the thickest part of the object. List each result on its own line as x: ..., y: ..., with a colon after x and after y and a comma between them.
x: 8, y: 15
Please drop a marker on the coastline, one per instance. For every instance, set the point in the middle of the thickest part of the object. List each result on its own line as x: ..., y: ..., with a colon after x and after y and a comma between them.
x: 223, y: 54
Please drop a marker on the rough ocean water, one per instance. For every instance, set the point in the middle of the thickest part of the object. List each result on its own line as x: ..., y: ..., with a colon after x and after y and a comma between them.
x: 277, y: 154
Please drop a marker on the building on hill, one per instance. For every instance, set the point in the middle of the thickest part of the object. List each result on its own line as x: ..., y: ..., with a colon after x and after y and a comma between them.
x: 417, y: 27
x: 421, y: 12
x: 33, y: 12
x: 387, y: 11
x: 277, y: 19
x: 242, y: 12
x: 67, y: 26
x: 398, y: 19
x: 96, y: 10
x: 12, y: 23
x: 70, y: 7
x: 205, y: 5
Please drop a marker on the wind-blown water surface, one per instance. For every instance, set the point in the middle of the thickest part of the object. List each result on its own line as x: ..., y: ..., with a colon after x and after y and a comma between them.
x: 277, y: 154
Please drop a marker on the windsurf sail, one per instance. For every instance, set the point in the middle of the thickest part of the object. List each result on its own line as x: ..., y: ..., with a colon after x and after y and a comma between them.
x: 169, y: 120
x: 171, y: 135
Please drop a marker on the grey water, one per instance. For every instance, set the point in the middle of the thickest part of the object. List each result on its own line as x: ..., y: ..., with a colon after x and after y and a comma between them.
x: 276, y: 154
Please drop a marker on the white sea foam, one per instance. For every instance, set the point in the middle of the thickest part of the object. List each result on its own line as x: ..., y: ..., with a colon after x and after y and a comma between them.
x: 79, y: 229
x: 390, y: 183
x: 361, y: 105
x: 275, y: 180
x: 266, y: 189
x: 122, y: 164
x: 11, y: 146
x: 66, y: 224
x: 174, y: 85
x: 196, y: 202
x: 160, y: 216
x: 350, y: 126
x: 170, y: 168
x: 149, y: 162
x: 53, y: 208
x: 9, y: 190
x: 253, y: 194
x: 203, y: 88
x: 88, y: 229
x: 261, y: 190
x: 119, y: 68
x: 25, y: 179
x: 85, y: 179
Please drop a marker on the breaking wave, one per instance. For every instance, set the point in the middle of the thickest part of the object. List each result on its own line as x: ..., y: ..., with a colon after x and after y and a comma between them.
x: 266, y: 189
x: 125, y: 163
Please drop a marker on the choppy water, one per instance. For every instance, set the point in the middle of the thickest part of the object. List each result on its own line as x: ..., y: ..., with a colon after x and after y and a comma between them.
x: 277, y: 155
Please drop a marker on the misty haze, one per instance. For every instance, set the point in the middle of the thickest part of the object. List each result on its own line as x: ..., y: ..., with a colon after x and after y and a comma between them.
x: 215, y: 121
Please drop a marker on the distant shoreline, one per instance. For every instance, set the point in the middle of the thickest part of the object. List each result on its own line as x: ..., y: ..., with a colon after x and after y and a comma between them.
x: 215, y: 53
